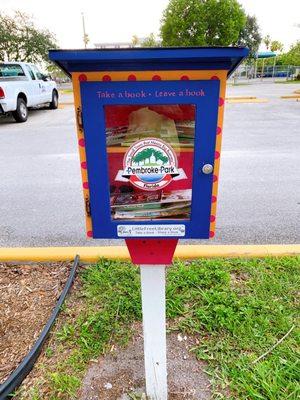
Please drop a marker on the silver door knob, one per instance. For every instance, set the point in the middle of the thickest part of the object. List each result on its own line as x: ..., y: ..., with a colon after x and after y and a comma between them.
x: 207, y: 169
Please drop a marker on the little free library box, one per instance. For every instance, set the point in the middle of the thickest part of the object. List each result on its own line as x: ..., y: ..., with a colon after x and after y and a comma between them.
x: 149, y: 125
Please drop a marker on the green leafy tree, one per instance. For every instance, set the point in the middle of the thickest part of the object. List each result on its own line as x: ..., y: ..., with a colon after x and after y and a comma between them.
x: 21, y: 40
x: 56, y: 72
x: 148, y: 154
x: 183, y: 23
x: 137, y: 159
x: 202, y: 22
x: 276, y: 46
x: 292, y: 57
x: 159, y: 156
x: 250, y: 35
x: 143, y: 156
x: 225, y: 20
x: 140, y: 157
x: 150, y: 41
x: 267, y: 41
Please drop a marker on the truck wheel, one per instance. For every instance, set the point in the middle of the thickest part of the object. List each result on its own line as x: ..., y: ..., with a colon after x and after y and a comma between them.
x: 54, y: 103
x: 21, y: 113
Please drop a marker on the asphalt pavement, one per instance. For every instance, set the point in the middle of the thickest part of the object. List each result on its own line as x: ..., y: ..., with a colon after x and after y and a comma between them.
x: 41, y: 200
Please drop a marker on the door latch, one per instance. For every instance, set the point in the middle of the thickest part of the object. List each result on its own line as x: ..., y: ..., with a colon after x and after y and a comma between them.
x: 79, y: 118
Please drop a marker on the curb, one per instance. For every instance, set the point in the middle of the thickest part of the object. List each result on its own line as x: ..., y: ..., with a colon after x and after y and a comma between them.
x: 292, y: 96
x: 241, y: 98
x: 245, y: 100
x: 184, y: 252
x: 66, y: 103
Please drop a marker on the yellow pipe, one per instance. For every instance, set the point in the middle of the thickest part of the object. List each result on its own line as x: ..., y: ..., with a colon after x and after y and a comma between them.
x: 241, y: 98
x: 92, y: 254
x: 291, y: 96
x: 237, y: 100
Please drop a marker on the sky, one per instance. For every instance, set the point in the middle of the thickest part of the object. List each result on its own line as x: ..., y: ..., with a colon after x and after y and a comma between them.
x: 118, y: 20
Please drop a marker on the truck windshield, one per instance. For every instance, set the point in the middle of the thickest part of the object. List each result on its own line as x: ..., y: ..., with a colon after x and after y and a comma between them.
x: 11, y: 71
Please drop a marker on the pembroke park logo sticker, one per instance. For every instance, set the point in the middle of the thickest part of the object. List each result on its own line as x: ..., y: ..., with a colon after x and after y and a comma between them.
x: 150, y: 164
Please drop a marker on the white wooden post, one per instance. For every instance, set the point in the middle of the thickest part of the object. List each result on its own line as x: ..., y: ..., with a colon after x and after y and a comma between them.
x: 154, y: 326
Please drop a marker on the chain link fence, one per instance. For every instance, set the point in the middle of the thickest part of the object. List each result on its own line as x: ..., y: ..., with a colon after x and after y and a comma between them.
x: 267, y: 73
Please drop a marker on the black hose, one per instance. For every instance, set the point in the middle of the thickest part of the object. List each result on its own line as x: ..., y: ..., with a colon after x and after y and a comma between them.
x: 19, y: 374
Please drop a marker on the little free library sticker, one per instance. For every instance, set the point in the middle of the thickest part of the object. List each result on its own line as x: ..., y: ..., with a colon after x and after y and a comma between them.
x: 151, y: 230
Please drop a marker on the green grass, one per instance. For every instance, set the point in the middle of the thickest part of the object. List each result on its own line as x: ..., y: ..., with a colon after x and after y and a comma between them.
x: 64, y: 384
x: 238, y: 309
x: 241, y: 319
x: 238, y: 84
x: 66, y: 91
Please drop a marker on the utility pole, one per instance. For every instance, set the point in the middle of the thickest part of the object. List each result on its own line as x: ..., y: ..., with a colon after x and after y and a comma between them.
x: 85, y: 35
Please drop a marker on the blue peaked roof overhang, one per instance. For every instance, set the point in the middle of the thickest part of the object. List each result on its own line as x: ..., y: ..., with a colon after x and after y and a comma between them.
x: 147, y: 59
x: 265, y: 54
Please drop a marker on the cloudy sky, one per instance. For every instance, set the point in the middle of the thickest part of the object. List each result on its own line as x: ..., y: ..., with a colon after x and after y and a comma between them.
x: 119, y: 20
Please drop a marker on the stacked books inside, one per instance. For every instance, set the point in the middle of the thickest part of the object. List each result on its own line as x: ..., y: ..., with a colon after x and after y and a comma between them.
x: 145, y: 123
x: 174, y: 204
x: 122, y: 136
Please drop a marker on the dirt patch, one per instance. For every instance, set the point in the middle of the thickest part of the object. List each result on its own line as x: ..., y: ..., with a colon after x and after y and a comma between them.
x: 120, y: 376
x: 28, y: 294
x: 238, y: 279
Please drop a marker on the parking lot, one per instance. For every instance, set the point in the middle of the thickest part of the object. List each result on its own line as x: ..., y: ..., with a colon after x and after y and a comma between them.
x: 259, y: 194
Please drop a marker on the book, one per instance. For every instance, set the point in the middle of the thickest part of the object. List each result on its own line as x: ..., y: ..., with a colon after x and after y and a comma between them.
x: 183, y: 135
x: 144, y: 205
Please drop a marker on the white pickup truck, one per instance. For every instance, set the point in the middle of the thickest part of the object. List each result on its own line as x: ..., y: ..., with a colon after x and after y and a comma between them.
x: 22, y: 86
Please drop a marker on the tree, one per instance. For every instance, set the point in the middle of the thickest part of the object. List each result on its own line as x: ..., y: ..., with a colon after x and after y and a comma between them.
x: 250, y: 35
x: 225, y: 20
x: 143, y: 156
x: 56, y: 72
x: 276, y: 46
x: 292, y: 57
x: 22, y: 41
x: 267, y: 41
x: 159, y: 156
x: 150, y: 41
x: 202, y: 22
x: 183, y: 23
x: 138, y: 158
x: 135, y: 40
x: 148, y: 154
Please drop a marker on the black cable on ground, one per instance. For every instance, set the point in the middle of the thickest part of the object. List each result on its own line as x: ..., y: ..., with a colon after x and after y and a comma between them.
x: 19, y: 374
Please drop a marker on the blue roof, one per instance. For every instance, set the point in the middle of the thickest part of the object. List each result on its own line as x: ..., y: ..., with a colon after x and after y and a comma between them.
x: 265, y: 54
x: 147, y: 59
